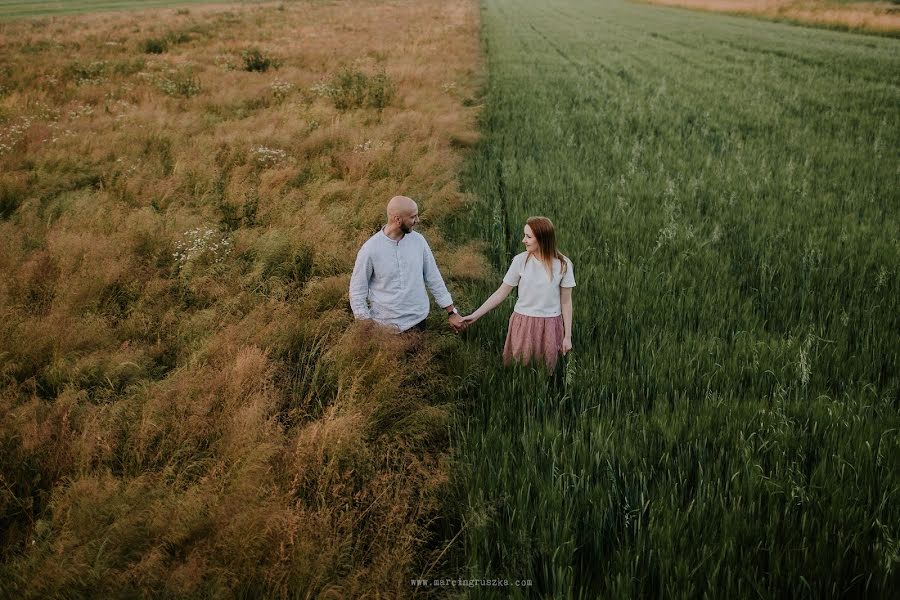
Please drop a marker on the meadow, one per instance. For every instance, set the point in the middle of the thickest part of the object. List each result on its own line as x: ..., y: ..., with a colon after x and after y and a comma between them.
x: 881, y: 18
x: 14, y: 9
x: 187, y: 408
x: 727, y: 424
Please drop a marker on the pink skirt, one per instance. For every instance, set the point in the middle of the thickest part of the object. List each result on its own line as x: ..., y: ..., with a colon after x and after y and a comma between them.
x: 533, y: 340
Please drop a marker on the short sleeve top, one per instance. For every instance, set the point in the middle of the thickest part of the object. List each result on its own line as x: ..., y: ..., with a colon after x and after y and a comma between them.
x: 538, y: 290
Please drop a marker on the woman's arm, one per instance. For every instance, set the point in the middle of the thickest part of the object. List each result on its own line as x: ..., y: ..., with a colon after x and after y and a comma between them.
x: 565, y: 298
x: 491, y: 303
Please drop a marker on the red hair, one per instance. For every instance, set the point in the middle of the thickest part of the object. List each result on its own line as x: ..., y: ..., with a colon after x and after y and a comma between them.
x: 545, y: 234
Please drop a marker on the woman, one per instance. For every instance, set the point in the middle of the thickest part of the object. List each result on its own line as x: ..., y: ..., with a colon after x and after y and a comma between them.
x: 540, y: 328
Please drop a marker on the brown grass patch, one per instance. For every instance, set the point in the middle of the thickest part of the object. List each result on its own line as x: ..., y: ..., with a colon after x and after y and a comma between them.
x: 873, y: 17
x: 186, y: 405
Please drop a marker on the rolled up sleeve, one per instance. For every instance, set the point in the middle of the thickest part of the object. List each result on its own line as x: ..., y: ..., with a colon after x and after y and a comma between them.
x: 359, y: 285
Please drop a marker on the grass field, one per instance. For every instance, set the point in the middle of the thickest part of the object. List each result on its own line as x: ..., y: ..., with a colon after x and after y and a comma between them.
x: 13, y: 9
x: 186, y: 406
x: 728, y: 423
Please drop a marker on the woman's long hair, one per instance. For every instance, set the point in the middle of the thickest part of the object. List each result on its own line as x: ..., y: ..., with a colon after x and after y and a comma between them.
x: 545, y: 234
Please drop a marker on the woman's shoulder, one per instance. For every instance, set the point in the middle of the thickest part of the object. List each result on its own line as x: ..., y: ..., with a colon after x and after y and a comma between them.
x: 519, y: 258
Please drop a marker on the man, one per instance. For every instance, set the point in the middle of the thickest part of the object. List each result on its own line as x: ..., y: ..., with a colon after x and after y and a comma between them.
x: 392, y: 271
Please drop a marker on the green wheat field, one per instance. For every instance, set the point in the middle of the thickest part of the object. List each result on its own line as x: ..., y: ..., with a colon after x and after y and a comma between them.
x: 727, y: 425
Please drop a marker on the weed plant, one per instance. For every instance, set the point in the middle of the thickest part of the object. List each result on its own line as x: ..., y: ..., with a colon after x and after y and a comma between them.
x: 255, y: 60
x: 351, y: 88
x: 158, y: 45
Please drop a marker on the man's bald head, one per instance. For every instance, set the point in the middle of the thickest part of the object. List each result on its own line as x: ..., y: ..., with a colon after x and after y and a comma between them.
x: 401, y: 206
x: 403, y: 215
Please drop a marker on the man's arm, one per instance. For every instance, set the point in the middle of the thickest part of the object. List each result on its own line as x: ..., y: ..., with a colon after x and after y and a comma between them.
x: 359, y: 285
x: 434, y: 282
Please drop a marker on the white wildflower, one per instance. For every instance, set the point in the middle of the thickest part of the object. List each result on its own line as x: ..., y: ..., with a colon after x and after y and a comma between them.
x: 323, y: 88
x: 202, y: 244
x: 268, y: 157
x: 281, y: 89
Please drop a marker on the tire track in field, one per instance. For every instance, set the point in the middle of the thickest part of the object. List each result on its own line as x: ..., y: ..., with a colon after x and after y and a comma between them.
x: 610, y: 75
x: 797, y: 107
x: 621, y: 78
x: 746, y: 75
x: 581, y: 68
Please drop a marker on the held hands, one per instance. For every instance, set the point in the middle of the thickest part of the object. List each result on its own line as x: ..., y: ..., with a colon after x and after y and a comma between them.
x: 457, y: 323
x: 460, y: 323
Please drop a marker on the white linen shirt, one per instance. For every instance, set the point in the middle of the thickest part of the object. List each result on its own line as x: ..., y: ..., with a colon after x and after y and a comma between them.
x: 389, y: 280
x: 538, y: 291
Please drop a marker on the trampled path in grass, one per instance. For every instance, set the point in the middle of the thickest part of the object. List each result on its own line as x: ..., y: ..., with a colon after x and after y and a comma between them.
x: 727, y: 190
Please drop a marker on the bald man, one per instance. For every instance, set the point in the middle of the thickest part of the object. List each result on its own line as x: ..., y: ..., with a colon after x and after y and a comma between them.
x: 392, y: 270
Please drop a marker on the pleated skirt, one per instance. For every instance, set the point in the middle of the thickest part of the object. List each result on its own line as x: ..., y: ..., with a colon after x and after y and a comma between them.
x: 533, y: 340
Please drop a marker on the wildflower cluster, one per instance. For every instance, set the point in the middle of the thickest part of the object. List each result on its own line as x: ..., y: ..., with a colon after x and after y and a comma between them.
x: 57, y: 133
x: 13, y: 135
x: 51, y: 81
x: 281, y: 89
x: 45, y: 112
x: 178, y: 83
x: 323, y: 89
x: 92, y: 73
x: 202, y: 244
x: 81, y: 110
x: 365, y: 146
x: 268, y: 157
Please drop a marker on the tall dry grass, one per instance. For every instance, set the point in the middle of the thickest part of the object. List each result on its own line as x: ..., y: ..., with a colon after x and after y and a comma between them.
x: 186, y: 405
x: 869, y: 17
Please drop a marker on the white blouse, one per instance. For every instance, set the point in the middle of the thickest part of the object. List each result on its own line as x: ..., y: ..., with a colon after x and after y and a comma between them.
x: 538, y: 291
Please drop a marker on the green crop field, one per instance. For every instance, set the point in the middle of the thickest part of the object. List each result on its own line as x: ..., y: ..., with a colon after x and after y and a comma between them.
x: 728, y: 423
x: 10, y: 9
